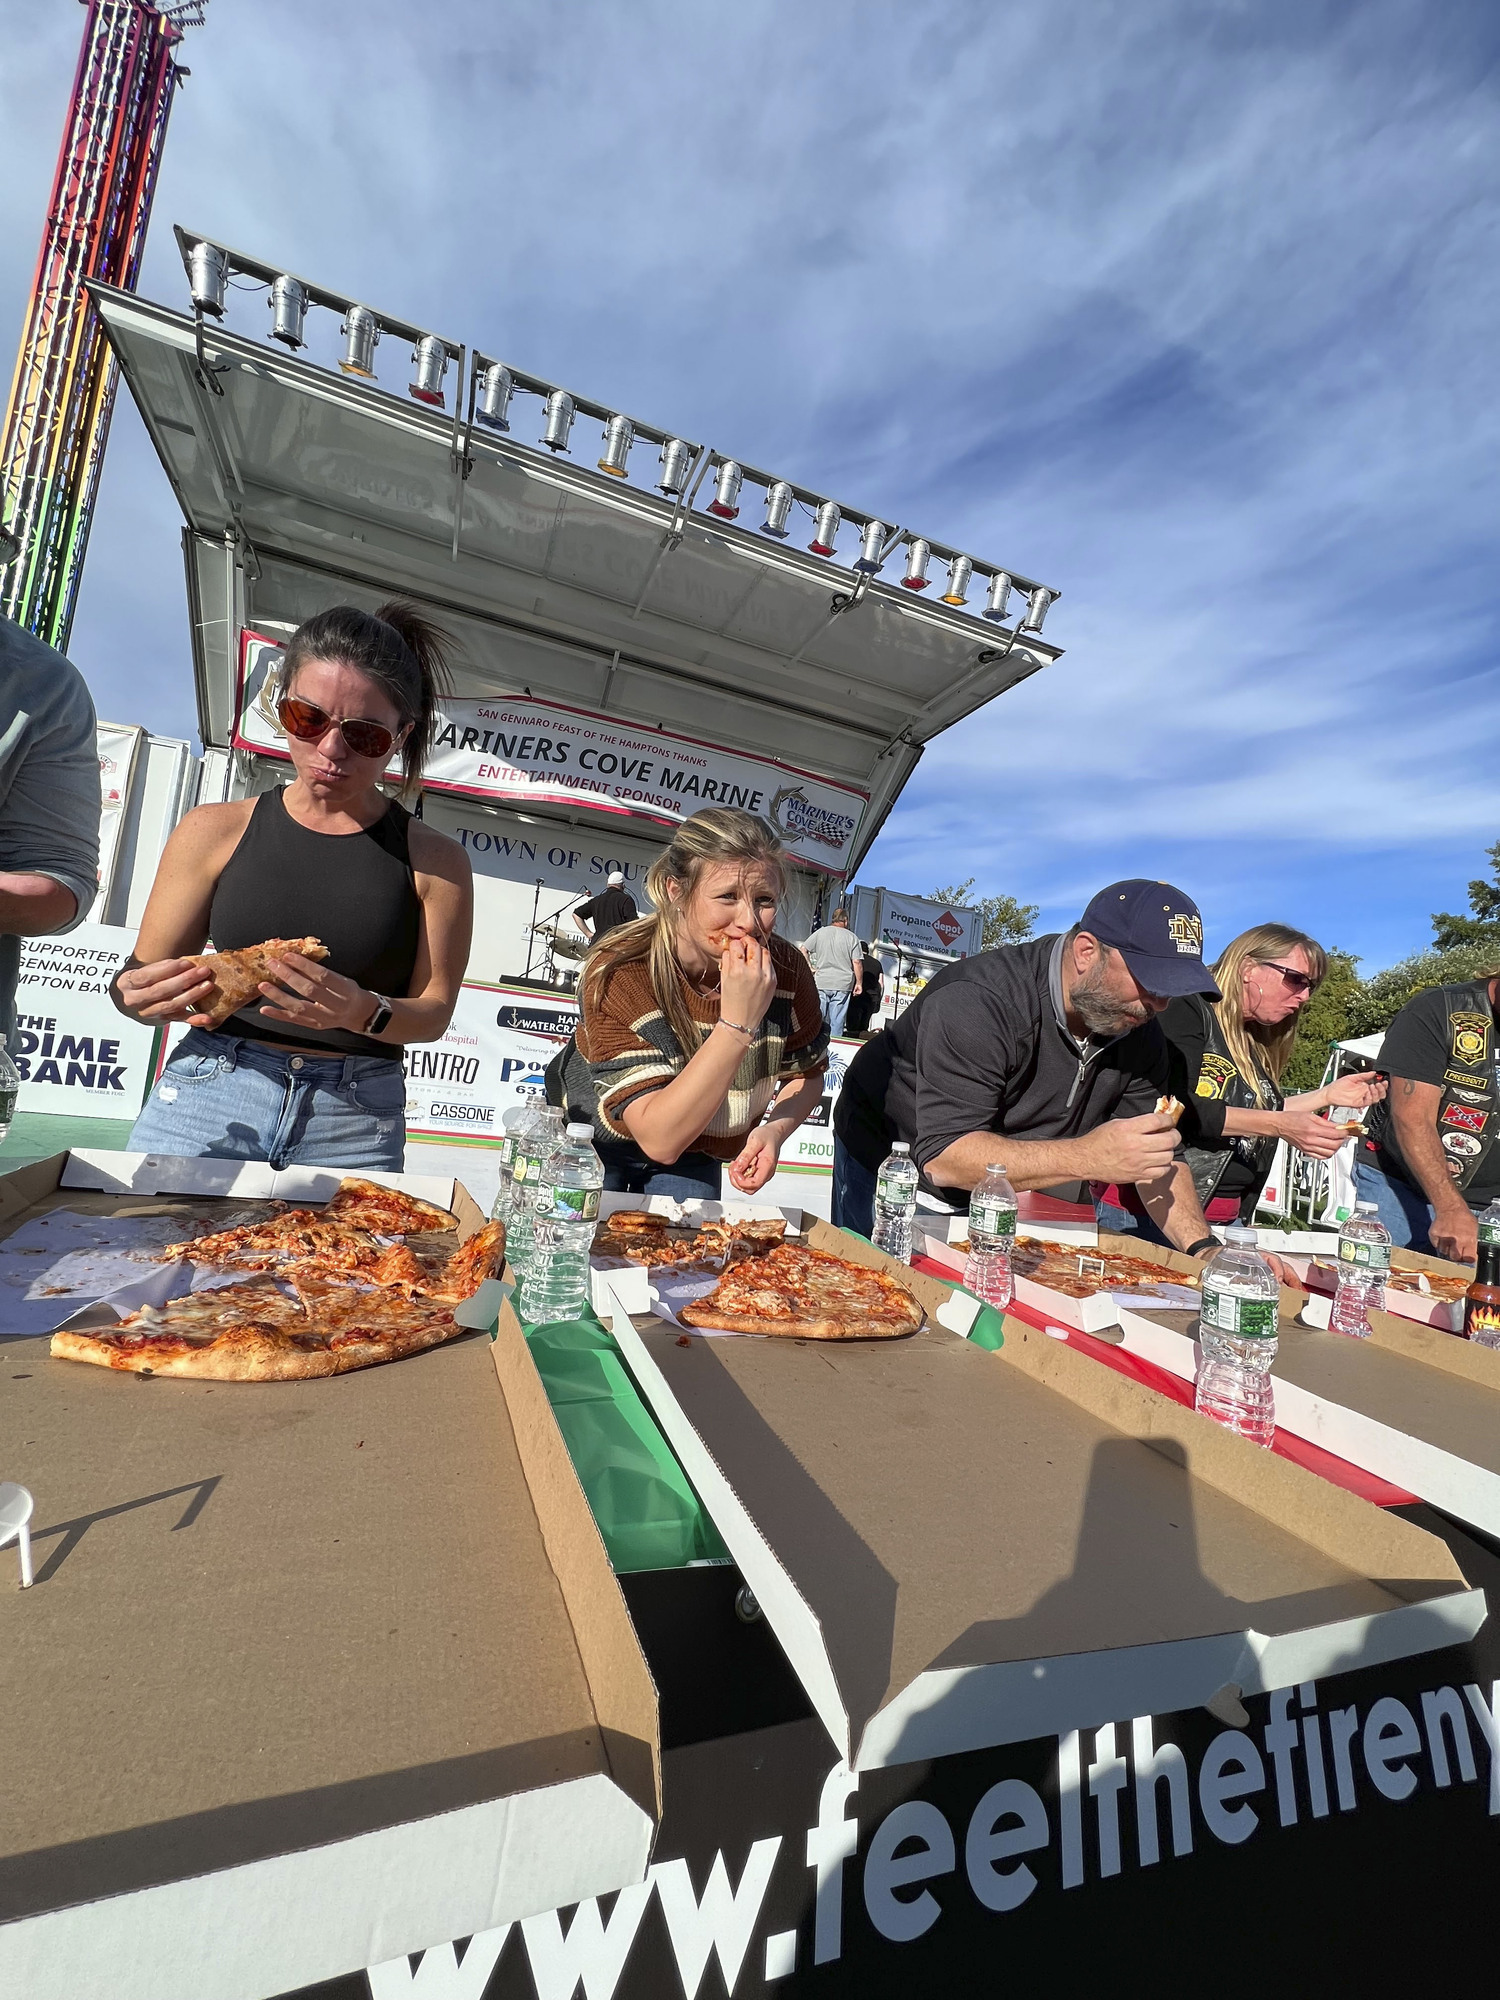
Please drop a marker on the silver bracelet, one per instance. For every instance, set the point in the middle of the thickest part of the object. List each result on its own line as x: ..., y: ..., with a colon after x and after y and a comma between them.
x: 738, y: 1026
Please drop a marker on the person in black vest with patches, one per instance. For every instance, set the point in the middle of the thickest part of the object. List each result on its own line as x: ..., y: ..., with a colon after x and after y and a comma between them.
x: 1429, y: 1160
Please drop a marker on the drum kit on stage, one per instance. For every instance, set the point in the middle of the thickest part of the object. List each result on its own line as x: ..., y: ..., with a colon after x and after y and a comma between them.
x: 566, y: 951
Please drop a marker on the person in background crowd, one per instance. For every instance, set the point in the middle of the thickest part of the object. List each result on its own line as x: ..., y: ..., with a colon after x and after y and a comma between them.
x: 1228, y: 1058
x: 312, y: 1075
x: 865, y: 1004
x: 1044, y: 1056
x: 49, y: 799
x: 602, y: 914
x: 700, y: 1038
x: 836, y: 957
x: 1429, y: 1160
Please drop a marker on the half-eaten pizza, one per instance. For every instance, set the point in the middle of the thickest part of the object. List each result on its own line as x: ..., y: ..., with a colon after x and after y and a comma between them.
x: 803, y: 1294
x: 237, y: 975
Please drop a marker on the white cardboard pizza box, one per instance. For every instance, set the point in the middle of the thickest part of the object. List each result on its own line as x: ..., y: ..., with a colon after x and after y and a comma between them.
x: 1317, y: 1275
x: 1411, y: 1403
x: 958, y: 1549
x: 313, y: 1674
x: 1092, y: 1313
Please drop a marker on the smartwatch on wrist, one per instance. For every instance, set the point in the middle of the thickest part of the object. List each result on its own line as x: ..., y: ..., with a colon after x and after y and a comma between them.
x: 380, y: 1018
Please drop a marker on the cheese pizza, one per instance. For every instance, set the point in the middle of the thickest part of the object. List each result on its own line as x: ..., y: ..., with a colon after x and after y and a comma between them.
x: 797, y: 1293
x: 238, y: 975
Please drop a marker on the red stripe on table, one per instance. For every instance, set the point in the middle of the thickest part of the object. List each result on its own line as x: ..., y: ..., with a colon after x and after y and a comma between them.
x: 1312, y: 1457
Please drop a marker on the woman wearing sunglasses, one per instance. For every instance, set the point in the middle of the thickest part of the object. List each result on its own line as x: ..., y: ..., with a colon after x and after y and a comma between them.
x: 312, y: 1074
x: 1228, y: 1058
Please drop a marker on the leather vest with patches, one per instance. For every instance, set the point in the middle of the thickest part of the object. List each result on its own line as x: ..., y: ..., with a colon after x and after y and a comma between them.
x: 1468, y: 1114
x: 1219, y: 1079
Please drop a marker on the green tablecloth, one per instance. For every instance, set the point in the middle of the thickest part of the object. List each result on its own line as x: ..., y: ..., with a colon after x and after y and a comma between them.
x: 646, y: 1509
x: 35, y: 1135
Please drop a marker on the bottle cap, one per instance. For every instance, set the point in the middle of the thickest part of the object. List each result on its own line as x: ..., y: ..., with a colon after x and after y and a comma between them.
x: 580, y: 1131
x: 1240, y: 1237
x: 1367, y: 1208
x: 900, y: 1146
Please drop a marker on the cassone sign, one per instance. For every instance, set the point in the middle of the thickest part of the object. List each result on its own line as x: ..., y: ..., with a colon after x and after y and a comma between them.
x: 523, y: 752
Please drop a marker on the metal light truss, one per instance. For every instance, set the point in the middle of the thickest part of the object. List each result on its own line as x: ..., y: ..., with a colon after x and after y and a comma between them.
x: 694, y: 464
x: 62, y: 395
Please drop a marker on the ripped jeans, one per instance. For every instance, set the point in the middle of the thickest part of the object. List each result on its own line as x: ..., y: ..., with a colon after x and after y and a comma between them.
x: 224, y: 1098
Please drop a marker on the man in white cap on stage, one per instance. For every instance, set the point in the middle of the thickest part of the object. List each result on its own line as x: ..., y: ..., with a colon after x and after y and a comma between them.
x: 602, y: 914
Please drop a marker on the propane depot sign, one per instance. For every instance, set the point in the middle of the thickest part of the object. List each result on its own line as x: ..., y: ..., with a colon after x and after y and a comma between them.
x: 523, y: 752
x: 77, y: 1056
x: 916, y: 923
x: 496, y: 1052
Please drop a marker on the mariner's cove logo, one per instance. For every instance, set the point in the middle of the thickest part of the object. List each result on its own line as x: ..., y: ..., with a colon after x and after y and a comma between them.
x: 793, y: 814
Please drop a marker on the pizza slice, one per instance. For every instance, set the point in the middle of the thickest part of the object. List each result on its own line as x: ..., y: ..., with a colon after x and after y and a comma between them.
x: 796, y: 1293
x: 387, y: 1211
x: 483, y: 1256
x: 1169, y: 1107
x: 237, y: 975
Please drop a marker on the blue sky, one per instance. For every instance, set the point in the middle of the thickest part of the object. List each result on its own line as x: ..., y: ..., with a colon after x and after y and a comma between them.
x: 1187, y: 308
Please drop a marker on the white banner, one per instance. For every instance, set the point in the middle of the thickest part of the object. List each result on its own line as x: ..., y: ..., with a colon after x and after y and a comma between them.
x: 493, y: 1056
x: 917, y: 923
x: 524, y: 751
x: 76, y: 1055
x: 118, y: 745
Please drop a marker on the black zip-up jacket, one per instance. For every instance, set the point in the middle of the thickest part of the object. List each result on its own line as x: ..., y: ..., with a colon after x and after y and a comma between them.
x: 984, y: 1048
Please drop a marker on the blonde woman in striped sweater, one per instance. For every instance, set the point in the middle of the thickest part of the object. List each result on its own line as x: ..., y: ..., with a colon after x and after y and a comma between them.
x: 701, y: 1040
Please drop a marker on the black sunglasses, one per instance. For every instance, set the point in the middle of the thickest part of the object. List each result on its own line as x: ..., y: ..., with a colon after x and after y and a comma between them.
x: 1298, y: 981
x: 309, y: 724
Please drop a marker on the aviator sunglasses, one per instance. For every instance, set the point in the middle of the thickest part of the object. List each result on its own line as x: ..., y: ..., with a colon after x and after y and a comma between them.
x: 1298, y: 981
x: 309, y: 724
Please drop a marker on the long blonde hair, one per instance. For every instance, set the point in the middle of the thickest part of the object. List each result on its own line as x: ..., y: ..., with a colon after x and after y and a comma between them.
x: 718, y: 833
x: 1260, y: 1053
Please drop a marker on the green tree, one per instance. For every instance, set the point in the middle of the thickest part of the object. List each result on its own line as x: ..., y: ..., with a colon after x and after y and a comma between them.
x: 1379, y: 1000
x: 1005, y: 920
x: 1324, y: 1021
x: 1482, y: 926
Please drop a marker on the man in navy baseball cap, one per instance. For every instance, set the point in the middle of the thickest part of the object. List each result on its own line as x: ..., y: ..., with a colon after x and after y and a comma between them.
x: 1157, y: 931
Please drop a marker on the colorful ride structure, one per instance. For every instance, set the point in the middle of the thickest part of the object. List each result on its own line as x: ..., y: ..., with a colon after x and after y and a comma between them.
x: 57, y: 419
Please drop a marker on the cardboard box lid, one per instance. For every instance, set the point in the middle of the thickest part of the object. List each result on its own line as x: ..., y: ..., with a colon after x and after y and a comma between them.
x: 313, y: 1674
x: 957, y: 1549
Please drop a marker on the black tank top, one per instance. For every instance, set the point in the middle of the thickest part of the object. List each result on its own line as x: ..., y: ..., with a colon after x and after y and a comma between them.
x: 355, y: 891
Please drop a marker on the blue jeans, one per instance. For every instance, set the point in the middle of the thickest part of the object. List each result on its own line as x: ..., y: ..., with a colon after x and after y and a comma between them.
x: 224, y: 1098
x: 836, y: 1010
x: 853, y: 1191
x: 691, y: 1177
x: 1405, y: 1211
x: 1121, y: 1222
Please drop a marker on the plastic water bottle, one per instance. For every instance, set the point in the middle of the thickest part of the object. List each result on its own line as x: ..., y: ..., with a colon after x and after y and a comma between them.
x: 511, y: 1125
x: 895, y: 1203
x: 566, y: 1211
x: 10, y: 1084
x: 1364, y: 1259
x: 1237, y: 1330
x: 1488, y: 1220
x: 536, y: 1142
x: 992, y: 1237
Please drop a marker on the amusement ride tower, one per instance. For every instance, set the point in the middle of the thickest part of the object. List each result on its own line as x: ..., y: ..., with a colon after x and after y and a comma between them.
x: 57, y: 419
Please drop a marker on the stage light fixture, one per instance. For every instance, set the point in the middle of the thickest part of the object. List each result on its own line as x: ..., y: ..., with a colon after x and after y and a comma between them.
x: 208, y: 275
x: 826, y: 533
x: 726, y: 500
x: 431, y: 358
x: 778, y: 506
x: 999, y: 597
x: 676, y: 458
x: 619, y: 436
x: 1036, y: 608
x: 559, y: 420
x: 918, y: 554
x: 871, y: 541
x: 288, y: 303
x: 495, y: 391
x: 959, y: 572
x: 361, y: 331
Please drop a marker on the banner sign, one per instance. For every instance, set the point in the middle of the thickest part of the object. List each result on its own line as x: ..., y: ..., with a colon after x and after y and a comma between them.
x: 523, y: 752
x: 77, y: 1056
x: 493, y: 1056
x: 917, y: 923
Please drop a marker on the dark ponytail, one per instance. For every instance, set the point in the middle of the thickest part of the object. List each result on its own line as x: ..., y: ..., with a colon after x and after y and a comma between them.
x: 396, y: 647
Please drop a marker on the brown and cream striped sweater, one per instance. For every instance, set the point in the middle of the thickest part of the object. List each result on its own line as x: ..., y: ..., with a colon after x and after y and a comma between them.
x: 630, y: 1048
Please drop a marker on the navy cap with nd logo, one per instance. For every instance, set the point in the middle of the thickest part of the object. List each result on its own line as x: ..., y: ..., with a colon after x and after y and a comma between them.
x: 1157, y: 931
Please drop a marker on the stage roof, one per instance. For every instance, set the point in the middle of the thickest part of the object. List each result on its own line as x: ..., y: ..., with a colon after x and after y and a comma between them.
x: 302, y: 487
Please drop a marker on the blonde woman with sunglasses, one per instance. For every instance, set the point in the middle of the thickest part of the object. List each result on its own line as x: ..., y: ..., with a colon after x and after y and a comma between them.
x: 1228, y: 1058
x: 312, y: 1074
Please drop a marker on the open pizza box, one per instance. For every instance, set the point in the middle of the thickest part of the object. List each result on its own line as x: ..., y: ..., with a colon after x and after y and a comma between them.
x: 1410, y: 1403
x: 1318, y: 1273
x: 634, y: 1280
x: 314, y: 1674
x: 1096, y: 1310
x: 958, y: 1549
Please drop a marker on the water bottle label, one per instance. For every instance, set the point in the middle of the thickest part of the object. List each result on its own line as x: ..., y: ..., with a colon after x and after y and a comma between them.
x: 1251, y: 1319
x: 1369, y: 1256
x: 576, y: 1204
x: 528, y: 1167
x: 894, y: 1190
x: 507, y: 1149
x: 992, y: 1218
x: 8, y: 1104
x: 1489, y: 1232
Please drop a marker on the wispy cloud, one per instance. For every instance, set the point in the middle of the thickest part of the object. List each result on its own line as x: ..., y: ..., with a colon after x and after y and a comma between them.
x: 1188, y: 310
